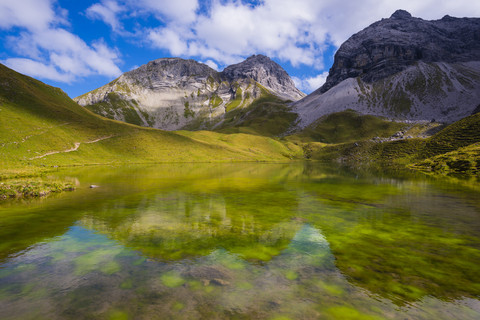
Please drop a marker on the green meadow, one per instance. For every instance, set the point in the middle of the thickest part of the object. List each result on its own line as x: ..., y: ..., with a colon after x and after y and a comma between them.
x: 42, y: 129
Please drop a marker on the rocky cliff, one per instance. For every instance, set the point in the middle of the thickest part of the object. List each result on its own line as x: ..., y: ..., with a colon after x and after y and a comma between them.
x: 174, y: 93
x: 404, y: 68
x: 265, y: 72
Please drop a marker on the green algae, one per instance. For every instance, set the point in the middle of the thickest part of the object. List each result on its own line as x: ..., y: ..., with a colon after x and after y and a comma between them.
x: 348, y: 313
x: 195, y: 285
x: 177, y: 306
x: 111, y: 267
x: 127, y: 284
x: 94, y: 260
x: 331, y: 288
x: 244, y: 285
x: 139, y: 261
x: 249, y: 241
x: 291, y: 275
x: 281, y: 318
x: 172, y: 279
x: 118, y: 315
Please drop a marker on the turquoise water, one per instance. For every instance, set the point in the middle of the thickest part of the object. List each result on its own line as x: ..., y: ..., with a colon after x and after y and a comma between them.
x: 242, y: 241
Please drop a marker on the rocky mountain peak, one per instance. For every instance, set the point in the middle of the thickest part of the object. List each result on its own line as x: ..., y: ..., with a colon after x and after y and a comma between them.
x: 401, y: 14
x: 404, y: 68
x: 255, y: 67
x: 172, y: 67
x: 174, y: 93
x: 391, y: 45
x: 266, y: 72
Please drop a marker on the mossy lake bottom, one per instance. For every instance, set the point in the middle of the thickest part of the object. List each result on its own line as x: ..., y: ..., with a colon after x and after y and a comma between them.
x: 242, y: 241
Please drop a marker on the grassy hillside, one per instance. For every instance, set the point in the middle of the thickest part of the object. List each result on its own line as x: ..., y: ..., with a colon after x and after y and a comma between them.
x: 457, y: 135
x: 266, y: 116
x: 42, y: 127
x: 465, y: 160
x: 347, y: 126
x: 454, y: 149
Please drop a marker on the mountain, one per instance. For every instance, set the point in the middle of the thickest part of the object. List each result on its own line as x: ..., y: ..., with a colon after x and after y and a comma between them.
x: 174, y: 93
x: 265, y: 72
x: 403, y: 68
x: 41, y: 128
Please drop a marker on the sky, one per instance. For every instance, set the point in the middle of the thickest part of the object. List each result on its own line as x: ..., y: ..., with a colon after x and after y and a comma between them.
x: 82, y: 45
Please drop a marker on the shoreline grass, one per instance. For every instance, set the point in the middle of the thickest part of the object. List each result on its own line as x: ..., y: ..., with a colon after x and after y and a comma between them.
x: 13, y: 189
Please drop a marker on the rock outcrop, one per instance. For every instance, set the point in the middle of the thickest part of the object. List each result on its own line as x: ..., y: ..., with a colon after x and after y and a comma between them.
x: 404, y: 67
x: 267, y: 73
x: 174, y: 93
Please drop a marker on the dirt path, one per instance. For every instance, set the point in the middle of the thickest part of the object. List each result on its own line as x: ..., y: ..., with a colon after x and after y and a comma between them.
x: 75, y: 148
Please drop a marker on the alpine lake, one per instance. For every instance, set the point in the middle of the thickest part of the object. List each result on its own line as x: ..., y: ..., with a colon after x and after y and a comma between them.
x: 243, y: 241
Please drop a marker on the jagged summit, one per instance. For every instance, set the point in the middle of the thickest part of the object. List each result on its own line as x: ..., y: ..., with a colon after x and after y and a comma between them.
x: 158, y: 72
x: 174, y: 93
x: 176, y: 67
x: 401, y: 14
x: 268, y: 73
x: 391, y: 45
x: 403, y: 67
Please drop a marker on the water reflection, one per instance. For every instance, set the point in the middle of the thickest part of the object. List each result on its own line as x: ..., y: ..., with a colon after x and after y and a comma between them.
x: 242, y: 241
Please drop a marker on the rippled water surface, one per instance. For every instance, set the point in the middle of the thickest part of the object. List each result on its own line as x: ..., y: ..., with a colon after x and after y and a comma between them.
x: 242, y: 241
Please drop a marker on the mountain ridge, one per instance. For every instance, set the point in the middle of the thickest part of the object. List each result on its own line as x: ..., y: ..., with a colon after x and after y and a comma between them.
x: 403, y: 68
x: 391, y: 45
x: 41, y: 129
x: 172, y: 93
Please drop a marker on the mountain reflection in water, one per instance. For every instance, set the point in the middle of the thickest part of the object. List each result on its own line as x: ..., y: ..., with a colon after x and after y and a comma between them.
x: 265, y: 241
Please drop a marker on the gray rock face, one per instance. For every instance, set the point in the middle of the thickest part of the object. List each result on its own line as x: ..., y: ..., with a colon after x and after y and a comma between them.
x: 159, y: 70
x: 403, y: 68
x: 392, y: 45
x: 267, y: 73
x: 174, y: 93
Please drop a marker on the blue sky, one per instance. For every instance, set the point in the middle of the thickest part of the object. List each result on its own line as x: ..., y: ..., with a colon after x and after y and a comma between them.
x: 81, y: 45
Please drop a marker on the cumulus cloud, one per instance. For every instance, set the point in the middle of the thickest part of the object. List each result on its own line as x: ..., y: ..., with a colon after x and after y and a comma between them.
x: 49, y: 51
x: 233, y: 29
x: 167, y: 38
x: 212, y: 65
x: 220, y: 31
x: 295, y: 31
x: 176, y: 12
x: 37, y: 69
x: 31, y: 14
x: 312, y: 83
x: 107, y: 11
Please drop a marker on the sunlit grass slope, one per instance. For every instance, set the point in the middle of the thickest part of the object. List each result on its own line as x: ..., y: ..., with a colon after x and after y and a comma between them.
x: 40, y: 126
x: 454, y: 149
x: 465, y: 160
x: 347, y: 126
x: 266, y: 116
x: 457, y: 135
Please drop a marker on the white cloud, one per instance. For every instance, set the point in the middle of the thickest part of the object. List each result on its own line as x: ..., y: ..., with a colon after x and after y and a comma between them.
x: 233, y: 29
x: 339, y: 22
x: 167, y: 38
x: 295, y: 31
x: 53, y: 52
x: 176, y: 11
x: 222, y: 31
x: 310, y: 84
x: 107, y: 11
x: 212, y: 65
x: 30, y: 14
x: 37, y: 69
